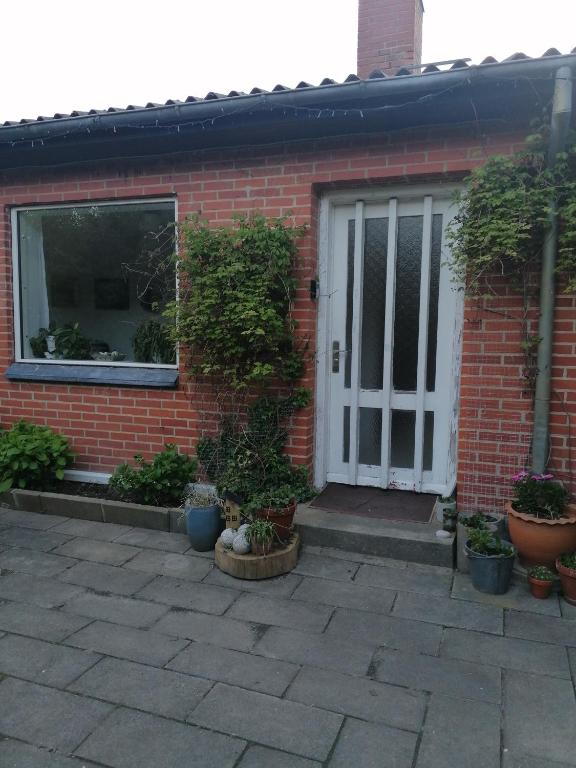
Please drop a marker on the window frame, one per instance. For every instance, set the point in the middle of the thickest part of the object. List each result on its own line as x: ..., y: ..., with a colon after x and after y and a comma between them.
x: 17, y: 307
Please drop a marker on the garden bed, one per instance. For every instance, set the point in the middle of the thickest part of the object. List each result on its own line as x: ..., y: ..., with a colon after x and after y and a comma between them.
x: 101, y: 508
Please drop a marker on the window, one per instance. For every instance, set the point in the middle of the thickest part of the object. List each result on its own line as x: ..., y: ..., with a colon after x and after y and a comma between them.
x: 93, y: 281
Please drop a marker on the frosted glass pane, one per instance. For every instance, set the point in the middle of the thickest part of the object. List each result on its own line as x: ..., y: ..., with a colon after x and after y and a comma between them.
x: 402, y: 439
x: 407, y: 304
x: 428, y: 440
x: 346, y: 435
x: 373, y: 303
x: 370, y: 436
x: 433, y: 306
x: 349, y: 305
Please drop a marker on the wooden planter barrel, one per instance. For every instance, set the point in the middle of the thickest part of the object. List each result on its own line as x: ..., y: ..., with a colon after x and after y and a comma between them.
x: 279, y: 561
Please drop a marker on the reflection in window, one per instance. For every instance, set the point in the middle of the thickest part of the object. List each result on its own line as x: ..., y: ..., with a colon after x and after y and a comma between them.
x: 94, y: 281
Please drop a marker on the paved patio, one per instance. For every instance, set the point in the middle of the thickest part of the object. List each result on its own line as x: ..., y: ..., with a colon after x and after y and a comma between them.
x: 122, y: 647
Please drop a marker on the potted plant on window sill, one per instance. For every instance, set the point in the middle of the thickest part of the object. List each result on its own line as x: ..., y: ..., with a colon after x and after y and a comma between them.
x: 491, y: 562
x: 541, y: 580
x: 541, y: 521
x: 566, y: 566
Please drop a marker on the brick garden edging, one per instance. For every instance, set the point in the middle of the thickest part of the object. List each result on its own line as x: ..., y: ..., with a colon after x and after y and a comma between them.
x: 100, y: 510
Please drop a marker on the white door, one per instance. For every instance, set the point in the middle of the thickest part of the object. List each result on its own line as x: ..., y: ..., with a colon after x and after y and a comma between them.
x: 391, y: 344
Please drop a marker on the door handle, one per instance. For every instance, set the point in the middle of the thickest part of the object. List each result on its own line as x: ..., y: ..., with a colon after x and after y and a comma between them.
x: 335, y: 357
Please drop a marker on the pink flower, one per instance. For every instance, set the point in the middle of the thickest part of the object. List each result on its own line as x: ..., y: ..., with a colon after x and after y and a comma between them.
x: 519, y: 476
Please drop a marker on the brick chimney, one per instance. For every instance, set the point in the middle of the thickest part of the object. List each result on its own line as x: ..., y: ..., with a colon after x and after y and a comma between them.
x: 389, y: 35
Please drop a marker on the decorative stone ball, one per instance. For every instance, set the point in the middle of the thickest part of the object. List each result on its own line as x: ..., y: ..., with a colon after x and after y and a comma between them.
x: 241, y: 545
x: 243, y: 528
x: 227, y: 537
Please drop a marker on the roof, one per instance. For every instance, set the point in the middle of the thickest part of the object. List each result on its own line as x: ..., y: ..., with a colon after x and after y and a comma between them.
x: 512, y: 91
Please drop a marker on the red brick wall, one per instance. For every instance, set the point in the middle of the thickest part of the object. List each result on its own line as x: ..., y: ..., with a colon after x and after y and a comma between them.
x: 109, y: 424
x: 389, y: 35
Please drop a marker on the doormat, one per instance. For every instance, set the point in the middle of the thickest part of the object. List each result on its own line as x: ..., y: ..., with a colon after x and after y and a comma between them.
x: 400, y: 506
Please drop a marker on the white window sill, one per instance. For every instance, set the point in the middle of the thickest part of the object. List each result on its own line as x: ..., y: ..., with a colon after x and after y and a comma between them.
x: 108, y: 375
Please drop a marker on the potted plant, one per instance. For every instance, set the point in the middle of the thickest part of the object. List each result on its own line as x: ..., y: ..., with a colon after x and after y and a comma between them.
x: 202, y: 511
x: 491, y: 562
x: 465, y: 525
x: 261, y: 534
x: 443, y: 503
x: 566, y: 566
x: 540, y: 579
x: 542, y: 523
x: 277, y: 506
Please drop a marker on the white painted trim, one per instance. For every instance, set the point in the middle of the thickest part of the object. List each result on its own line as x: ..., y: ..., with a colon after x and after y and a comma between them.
x: 83, y: 476
x: 17, y: 317
x: 388, y: 340
x: 356, y: 340
x: 405, y: 193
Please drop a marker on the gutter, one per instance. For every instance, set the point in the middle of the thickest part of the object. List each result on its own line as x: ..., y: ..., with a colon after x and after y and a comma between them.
x: 559, y: 127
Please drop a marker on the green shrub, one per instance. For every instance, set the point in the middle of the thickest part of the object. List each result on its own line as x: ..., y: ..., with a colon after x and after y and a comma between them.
x: 161, y: 482
x: 485, y: 543
x: 568, y: 560
x: 33, y: 457
x: 539, y: 495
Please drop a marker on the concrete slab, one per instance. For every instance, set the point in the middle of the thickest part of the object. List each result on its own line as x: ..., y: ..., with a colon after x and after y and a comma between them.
x: 92, y: 530
x: 185, y: 594
x: 28, y: 538
x: 106, y: 578
x: 204, y: 628
x: 170, y: 564
x: 405, y: 580
x: 264, y: 757
x: 281, y: 613
x: 46, y: 593
x: 323, y: 567
x: 113, y: 608
x: 15, y: 754
x: 376, y: 745
x: 448, y: 612
x: 97, y: 551
x: 518, y: 598
x: 41, y: 662
x: 147, y: 539
x: 35, y: 563
x: 344, y: 595
x: 39, y: 622
x: 281, y: 586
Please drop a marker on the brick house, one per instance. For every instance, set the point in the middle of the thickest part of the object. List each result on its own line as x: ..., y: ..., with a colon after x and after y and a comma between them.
x: 415, y: 386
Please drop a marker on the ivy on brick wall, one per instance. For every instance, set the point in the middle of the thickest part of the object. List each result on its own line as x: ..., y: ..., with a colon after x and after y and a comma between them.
x: 504, y: 212
x: 234, y: 314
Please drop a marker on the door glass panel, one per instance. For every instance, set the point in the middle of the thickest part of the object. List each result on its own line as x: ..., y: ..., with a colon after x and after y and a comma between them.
x: 402, y: 439
x: 373, y: 303
x: 428, y: 440
x: 407, y: 303
x: 346, y: 433
x: 349, y: 305
x: 370, y: 435
x: 433, y: 305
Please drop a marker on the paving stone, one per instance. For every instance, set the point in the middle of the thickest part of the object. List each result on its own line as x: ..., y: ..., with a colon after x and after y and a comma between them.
x: 33, y: 562
x: 264, y: 757
x: 97, y: 551
x: 41, y: 662
x: 281, y: 586
x: 545, y: 629
x: 460, y: 733
x: 378, y: 746
x: 130, y: 739
x: 167, y: 542
x: 359, y: 697
x: 136, y: 685
x: 354, y: 557
x: 92, y: 530
x: 517, y: 598
x: 268, y: 720
x: 47, y: 717
x: 39, y: 622
x: 106, y: 578
x: 15, y: 754
x: 403, y: 634
x: 185, y: 594
x: 448, y: 612
x: 47, y: 593
x: 568, y: 611
x: 539, y: 717
x: 345, y: 595
x: 510, y: 760
x: 342, y: 655
x: 326, y: 567
x: 281, y: 613
x: 120, y: 610
x: 235, y: 668
x: 171, y: 564
x: 509, y: 652
x: 27, y: 538
x: 204, y: 628
x: 429, y: 673
x: 127, y: 643
x: 34, y: 520
x: 405, y: 580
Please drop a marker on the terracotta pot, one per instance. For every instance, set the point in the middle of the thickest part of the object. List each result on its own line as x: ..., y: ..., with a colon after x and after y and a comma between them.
x: 282, y: 519
x: 261, y: 548
x: 568, y: 579
x: 540, y: 541
x: 540, y: 589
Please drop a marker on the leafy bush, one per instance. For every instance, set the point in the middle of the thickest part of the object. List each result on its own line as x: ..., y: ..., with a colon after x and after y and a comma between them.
x: 261, y: 531
x: 33, y: 457
x: 161, y: 482
x: 539, y: 495
x: 485, y: 543
x: 568, y: 560
x: 476, y: 521
x: 541, y: 572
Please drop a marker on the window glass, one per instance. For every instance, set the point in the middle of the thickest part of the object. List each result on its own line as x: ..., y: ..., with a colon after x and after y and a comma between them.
x: 94, y: 281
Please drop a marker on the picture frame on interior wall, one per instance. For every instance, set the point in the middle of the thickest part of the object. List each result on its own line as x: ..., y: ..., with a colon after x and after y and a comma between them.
x: 19, y: 356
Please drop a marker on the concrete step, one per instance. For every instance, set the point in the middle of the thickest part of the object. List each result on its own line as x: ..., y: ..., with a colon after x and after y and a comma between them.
x: 415, y: 542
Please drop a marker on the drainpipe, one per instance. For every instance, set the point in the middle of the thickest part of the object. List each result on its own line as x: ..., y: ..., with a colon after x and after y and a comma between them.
x: 560, y: 123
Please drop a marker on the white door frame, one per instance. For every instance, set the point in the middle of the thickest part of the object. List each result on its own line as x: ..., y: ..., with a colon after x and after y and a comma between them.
x: 450, y: 356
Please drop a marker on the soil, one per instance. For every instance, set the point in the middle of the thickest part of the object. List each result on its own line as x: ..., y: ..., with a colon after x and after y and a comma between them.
x: 95, y: 490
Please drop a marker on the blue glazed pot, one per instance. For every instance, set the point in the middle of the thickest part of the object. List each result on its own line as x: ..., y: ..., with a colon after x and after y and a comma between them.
x: 203, y: 526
